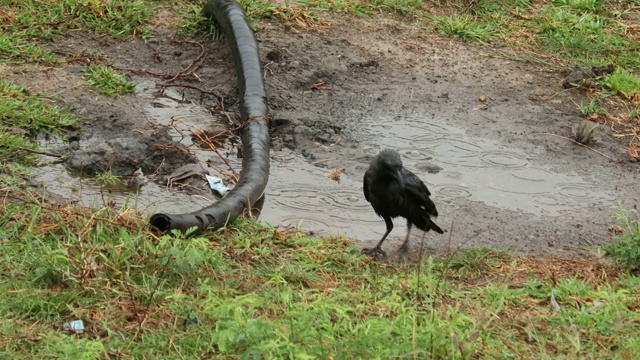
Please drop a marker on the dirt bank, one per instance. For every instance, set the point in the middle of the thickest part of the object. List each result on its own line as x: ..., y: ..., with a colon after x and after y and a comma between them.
x: 477, y: 128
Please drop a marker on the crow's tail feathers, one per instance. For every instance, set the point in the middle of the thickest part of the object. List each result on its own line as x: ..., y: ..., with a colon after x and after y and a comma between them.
x: 431, y: 225
x: 423, y: 222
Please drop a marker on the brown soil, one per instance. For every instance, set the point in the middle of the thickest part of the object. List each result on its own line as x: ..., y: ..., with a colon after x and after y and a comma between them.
x: 338, y: 95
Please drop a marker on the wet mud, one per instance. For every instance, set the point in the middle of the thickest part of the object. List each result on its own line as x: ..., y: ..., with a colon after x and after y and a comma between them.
x: 479, y: 130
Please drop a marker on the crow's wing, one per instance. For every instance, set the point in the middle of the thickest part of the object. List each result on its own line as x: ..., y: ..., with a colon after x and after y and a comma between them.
x: 365, y: 185
x: 419, y: 191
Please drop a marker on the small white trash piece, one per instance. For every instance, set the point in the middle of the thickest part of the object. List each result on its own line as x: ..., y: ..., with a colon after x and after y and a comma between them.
x: 217, y: 185
x: 76, y: 326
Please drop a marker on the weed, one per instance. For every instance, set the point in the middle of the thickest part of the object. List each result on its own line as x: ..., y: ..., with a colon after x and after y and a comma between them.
x: 104, y: 79
x: 622, y: 82
x: 192, y: 20
x: 626, y: 246
x: 497, y: 6
x: 593, y: 106
x: 465, y: 28
x: 107, y: 178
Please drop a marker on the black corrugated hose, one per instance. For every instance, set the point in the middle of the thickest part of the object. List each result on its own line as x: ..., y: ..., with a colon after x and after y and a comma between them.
x: 232, y: 20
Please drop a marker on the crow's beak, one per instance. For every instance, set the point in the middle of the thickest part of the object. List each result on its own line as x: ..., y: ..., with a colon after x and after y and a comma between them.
x: 399, y: 177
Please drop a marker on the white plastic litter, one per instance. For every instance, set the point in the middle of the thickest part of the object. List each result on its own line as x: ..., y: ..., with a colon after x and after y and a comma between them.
x: 76, y: 326
x: 217, y: 185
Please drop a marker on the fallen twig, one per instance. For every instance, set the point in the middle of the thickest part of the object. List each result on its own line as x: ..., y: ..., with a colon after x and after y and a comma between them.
x: 40, y: 152
x: 199, y: 134
x: 583, y: 145
x: 197, y: 63
x: 214, y: 93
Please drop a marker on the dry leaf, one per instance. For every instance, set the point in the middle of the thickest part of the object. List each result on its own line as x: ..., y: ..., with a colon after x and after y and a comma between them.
x: 334, y: 174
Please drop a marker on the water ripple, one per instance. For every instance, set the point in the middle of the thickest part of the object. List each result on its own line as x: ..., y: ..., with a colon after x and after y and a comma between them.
x: 504, y: 159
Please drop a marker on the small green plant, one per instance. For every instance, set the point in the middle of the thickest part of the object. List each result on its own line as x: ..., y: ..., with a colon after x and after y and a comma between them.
x: 593, y: 106
x: 626, y: 246
x: 108, y: 179
x: 104, y: 79
x: 465, y: 28
x: 622, y: 81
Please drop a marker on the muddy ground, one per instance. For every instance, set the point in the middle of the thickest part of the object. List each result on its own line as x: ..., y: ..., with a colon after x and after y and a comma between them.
x: 477, y: 127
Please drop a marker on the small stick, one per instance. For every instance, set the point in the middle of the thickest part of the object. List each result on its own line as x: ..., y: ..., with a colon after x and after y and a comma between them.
x: 583, y: 145
x: 218, y: 96
x: 40, y: 152
x: 199, y: 134
x: 199, y: 60
x: 322, y: 161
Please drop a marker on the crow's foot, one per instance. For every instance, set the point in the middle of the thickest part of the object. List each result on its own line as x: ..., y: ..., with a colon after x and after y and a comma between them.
x: 404, y: 249
x: 375, y: 253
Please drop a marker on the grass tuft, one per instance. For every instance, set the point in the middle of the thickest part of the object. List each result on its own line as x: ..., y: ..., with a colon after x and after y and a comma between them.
x: 105, y: 80
x: 626, y: 246
x: 593, y: 106
x: 22, y: 116
x: 465, y: 28
x: 478, y: 260
x: 622, y: 82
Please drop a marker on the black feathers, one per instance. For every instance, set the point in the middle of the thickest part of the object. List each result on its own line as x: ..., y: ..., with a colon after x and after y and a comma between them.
x: 394, y: 191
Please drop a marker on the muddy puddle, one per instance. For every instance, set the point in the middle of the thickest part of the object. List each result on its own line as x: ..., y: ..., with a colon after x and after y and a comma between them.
x: 458, y: 168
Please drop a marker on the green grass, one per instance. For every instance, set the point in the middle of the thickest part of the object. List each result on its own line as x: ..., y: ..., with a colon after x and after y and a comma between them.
x: 626, y: 246
x: 267, y: 293
x: 621, y: 81
x: 105, y: 80
x: 593, y: 106
x: 17, y: 50
x: 22, y: 116
x: 464, y: 27
x: 26, y: 24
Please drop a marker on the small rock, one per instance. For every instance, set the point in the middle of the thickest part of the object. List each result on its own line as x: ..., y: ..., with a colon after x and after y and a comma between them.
x: 429, y: 167
x: 294, y: 64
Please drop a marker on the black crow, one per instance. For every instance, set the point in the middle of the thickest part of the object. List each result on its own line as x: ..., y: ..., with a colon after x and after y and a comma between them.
x: 395, y: 191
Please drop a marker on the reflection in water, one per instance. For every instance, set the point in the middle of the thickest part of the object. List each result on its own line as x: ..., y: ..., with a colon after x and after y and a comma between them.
x: 300, y: 193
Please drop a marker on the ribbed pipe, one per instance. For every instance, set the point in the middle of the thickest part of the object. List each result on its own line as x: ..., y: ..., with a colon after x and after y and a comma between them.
x: 232, y: 20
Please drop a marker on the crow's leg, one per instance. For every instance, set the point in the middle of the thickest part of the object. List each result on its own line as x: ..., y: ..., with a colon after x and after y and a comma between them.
x: 377, y: 251
x: 405, y: 246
